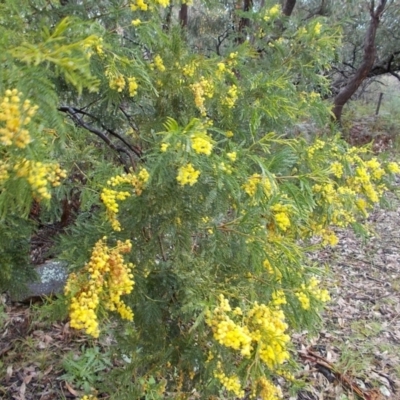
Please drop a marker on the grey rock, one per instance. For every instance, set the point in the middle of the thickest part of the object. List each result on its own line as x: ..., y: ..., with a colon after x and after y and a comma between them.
x: 52, y: 276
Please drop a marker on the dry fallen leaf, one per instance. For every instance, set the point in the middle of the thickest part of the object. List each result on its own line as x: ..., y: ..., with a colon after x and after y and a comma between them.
x: 71, y: 389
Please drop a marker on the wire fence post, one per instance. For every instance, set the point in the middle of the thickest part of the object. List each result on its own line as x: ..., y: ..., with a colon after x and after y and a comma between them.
x: 379, y: 103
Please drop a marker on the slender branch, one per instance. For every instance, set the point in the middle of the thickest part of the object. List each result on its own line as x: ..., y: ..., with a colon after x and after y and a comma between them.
x: 221, y: 38
x: 395, y: 75
x: 129, y: 119
x: 164, y: 257
x: 349, y: 65
x: 79, y: 122
x: 132, y: 148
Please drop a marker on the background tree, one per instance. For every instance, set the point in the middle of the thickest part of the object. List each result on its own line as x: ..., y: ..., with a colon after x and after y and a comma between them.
x: 370, y: 42
x: 369, y: 47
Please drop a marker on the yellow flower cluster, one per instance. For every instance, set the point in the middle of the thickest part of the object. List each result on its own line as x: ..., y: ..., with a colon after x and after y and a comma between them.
x: 39, y: 175
x: 375, y: 168
x: 272, y: 12
x: 143, y: 176
x: 317, y: 28
x: 103, y: 280
x: 132, y: 86
x: 250, y: 187
x: 231, y: 96
x: 318, y: 145
x: 221, y: 67
x: 274, y: 272
x: 189, y: 69
x: 320, y: 294
x: 337, y: 169
x: 278, y: 298
x: 163, y: 3
x: 311, y: 289
x: 232, y: 335
x: 137, y: 180
x: 208, y: 87
x: 329, y: 237
x: 95, y: 43
x: 262, y: 328
x: 187, y: 175
x: 139, y: 5
x: 164, y: 147
x: 359, y: 184
x: 302, y: 30
x: 327, y: 192
x: 230, y: 383
x: 201, y: 143
x: 232, y: 156
x: 199, y: 98
x: 285, y: 374
x: 304, y: 300
x: 116, y: 81
x: 110, y: 196
x: 224, y: 167
x: 268, y: 327
x: 314, y: 96
x: 89, y: 397
x: 266, y: 390
x: 158, y: 63
x: 281, y: 215
x: 14, y: 116
x: 336, y: 198
x: 4, y: 175
x: 202, y: 89
x: 393, y: 168
x: 232, y: 59
x: 224, y: 68
x: 362, y: 206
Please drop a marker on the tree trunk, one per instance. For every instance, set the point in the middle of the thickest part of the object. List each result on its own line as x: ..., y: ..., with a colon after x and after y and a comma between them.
x: 183, y: 15
x: 368, y: 61
x: 244, y: 22
x: 288, y: 7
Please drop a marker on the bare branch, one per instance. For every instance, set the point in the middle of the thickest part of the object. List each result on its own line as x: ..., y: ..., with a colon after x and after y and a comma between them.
x: 80, y: 122
x: 132, y: 148
x: 221, y: 38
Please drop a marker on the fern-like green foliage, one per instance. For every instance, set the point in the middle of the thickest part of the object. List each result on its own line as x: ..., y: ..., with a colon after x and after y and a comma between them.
x: 15, y: 268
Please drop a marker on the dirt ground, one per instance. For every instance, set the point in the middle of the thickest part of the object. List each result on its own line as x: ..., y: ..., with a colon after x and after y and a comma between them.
x: 360, y: 344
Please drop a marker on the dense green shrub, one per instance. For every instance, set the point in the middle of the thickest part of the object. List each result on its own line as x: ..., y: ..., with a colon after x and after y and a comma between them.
x: 197, y: 202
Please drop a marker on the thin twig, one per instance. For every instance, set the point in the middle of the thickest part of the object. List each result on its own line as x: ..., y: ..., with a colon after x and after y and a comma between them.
x: 79, y: 121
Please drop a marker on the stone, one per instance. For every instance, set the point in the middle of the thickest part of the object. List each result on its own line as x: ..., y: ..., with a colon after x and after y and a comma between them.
x: 52, y: 276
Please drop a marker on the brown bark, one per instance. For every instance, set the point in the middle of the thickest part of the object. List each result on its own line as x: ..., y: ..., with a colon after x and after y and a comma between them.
x: 368, y: 61
x: 183, y: 15
x: 288, y: 7
x: 244, y: 22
